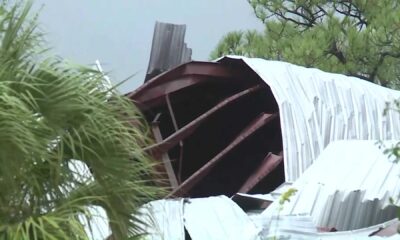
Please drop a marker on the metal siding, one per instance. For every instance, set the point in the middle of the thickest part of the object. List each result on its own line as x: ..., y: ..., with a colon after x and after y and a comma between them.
x: 348, y: 187
x: 216, y: 218
x: 168, y: 48
x: 163, y: 219
x: 317, y: 108
x: 300, y: 227
x: 220, y: 218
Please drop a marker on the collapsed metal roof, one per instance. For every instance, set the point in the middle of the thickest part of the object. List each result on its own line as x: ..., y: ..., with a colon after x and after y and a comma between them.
x: 348, y: 187
x: 346, y: 201
x: 247, y: 125
x: 317, y: 108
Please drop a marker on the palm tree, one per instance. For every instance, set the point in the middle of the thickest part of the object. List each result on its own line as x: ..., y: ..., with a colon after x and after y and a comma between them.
x: 67, y: 146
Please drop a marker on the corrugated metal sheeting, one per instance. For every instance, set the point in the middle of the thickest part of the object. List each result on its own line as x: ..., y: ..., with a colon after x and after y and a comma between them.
x: 348, y: 187
x: 163, y: 219
x: 219, y: 218
x: 203, y: 218
x: 300, y: 228
x: 317, y: 108
x: 168, y: 48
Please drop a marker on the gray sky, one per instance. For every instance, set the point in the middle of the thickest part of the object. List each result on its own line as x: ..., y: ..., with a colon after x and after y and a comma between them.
x: 119, y: 32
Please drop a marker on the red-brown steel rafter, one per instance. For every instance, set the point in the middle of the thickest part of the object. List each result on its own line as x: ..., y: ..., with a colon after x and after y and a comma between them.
x: 189, y: 183
x: 269, y: 164
x: 188, y: 129
x: 202, y: 71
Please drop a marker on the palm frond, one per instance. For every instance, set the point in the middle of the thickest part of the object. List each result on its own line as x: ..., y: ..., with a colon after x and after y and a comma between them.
x: 66, y: 144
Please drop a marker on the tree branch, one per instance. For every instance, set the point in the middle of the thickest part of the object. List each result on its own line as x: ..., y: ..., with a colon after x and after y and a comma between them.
x: 337, y: 53
x: 282, y: 15
x: 380, y: 62
x: 352, y: 11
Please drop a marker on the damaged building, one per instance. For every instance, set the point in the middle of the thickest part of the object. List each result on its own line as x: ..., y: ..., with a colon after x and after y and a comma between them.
x: 248, y: 125
x: 251, y: 126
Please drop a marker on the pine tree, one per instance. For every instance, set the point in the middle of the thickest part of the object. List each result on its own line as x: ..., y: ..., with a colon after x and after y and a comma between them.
x: 358, y: 38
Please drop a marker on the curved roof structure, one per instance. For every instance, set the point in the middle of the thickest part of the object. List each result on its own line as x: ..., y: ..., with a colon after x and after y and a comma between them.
x: 226, y: 126
x: 317, y: 108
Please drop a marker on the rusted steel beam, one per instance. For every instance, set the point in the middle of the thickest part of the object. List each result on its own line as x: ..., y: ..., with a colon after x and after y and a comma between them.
x: 269, y: 164
x: 175, y: 123
x: 171, y: 112
x: 164, y: 157
x: 205, y: 69
x: 189, y: 183
x: 156, y: 95
x: 185, y: 131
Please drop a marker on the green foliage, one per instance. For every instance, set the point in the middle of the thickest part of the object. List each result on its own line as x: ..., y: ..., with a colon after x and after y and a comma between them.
x: 56, y: 123
x: 358, y: 38
x: 287, y: 195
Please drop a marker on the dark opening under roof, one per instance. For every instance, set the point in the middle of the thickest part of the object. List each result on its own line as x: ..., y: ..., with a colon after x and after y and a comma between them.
x: 216, y: 128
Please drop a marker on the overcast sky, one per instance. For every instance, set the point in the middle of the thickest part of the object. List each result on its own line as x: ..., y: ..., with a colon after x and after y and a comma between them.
x: 119, y: 32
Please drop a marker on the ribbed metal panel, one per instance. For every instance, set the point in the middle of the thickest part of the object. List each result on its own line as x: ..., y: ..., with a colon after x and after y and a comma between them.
x: 298, y: 227
x: 162, y: 219
x: 317, y: 108
x: 168, y: 48
x: 216, y: 218
x: 347, y: 188
x: 212, y: 218
x: 220, y: 218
